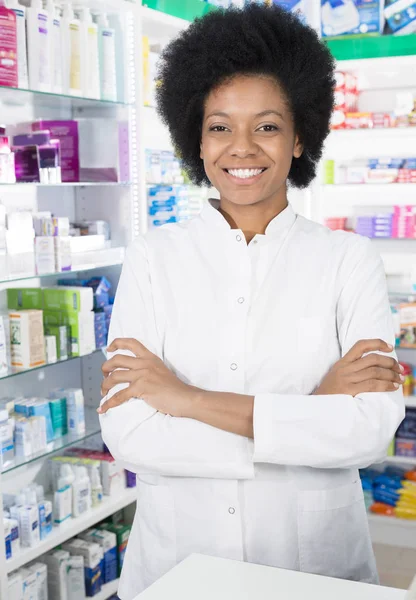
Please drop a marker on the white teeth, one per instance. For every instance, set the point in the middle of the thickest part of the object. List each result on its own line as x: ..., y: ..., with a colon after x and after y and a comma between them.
x: 244, y: 173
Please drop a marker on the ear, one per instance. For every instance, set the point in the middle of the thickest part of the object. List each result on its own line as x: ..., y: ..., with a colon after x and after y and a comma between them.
x: 201, y: 152
x: 298, y: 148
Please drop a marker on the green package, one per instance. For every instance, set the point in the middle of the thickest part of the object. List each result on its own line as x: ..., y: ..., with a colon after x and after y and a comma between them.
x: 58, y: 410
x: 61, y: 334
x: 68, y: 298
x: 25, y: 298
x: 123, y: 533
x: 81, y: 329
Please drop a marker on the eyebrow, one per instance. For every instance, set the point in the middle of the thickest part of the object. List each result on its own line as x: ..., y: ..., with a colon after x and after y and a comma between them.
x: 265, y: 113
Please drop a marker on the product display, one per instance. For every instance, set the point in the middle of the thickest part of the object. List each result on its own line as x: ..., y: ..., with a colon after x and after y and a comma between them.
x: 390, y: 493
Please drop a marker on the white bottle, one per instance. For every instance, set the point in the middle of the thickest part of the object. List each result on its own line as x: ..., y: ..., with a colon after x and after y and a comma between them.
x: 63, y: 495
x: 55, y: 47
x: 81, y: 496
x: 20, y: 12
x: 38, y: 47
x: 71, y: 35
x: 90, y: 64
x: 96, y: 487
x: 107, y: 52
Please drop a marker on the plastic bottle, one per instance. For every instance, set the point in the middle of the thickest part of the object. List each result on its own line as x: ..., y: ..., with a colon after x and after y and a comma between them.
x: 71, y: 35
x: 55, y: 47
x: 81, y: 496
x: 107, y: 53
x: 96, y: 487
x: 38, y: 47
x: 63, y: 495
x: 8, y: 47
x: 90, y: 64
x: 20, y: 12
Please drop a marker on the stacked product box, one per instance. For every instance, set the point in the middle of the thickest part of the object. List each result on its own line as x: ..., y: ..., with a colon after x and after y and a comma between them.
x: 102, y: 305
x: 371, y: 170
x: 397, y: 222
x: 167, y: 204
x: 405, y: 442
x: 122, y: 532
x: 346, y: 98
x: 163, y: 167
x: 352, y: 17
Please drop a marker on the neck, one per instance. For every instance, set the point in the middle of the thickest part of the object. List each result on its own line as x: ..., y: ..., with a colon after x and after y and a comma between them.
x: 252, y: 219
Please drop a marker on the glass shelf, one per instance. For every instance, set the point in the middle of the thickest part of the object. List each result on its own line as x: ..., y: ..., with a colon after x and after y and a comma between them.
x: 20, y: 97
x: 80, y: 184
x: 20, y: 268
x: 356, y: 47
x: 13, y: 372
x: 59, y: 444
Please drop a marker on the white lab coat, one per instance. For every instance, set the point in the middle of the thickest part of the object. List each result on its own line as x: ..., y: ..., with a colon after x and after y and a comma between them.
x: 268, y: 319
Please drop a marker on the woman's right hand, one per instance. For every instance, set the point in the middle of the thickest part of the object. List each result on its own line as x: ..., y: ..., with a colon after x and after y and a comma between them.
x: 355, y: 373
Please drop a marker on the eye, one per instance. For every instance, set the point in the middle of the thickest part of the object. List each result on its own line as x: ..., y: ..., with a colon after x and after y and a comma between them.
x: 218, y: 128
x: 268, y: 128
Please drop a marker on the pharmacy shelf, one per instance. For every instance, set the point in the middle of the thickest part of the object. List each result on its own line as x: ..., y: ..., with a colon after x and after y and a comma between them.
x: 185, y: 9
x: 14, y: 372
x: 70, y: 184
x: 56, y: 445
x: 392, y: 532
x: 11, y: 270
x: 357, y: 51
x: 21, y: 97
x: 353, y: 187
x: 73, y: 527
x: 107, y: 590
x: 400, y: 460
x: 342, y: 135
x: 410, y: 401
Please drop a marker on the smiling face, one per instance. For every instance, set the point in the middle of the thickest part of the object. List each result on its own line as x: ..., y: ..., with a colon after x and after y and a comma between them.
x: 248, y: 141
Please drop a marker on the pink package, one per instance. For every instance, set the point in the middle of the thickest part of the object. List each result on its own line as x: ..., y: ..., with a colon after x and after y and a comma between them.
x: 8, y: 48
x: 67, y: 133
x: 404, y: 222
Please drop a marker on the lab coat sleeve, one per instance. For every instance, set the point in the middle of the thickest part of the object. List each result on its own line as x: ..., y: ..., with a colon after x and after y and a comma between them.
x: 139, y: 437
x: 337, y: 431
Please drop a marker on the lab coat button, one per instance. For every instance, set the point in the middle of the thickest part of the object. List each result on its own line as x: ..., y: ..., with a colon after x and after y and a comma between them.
x: 238, y: 238
x: 231, y: 510
x: 233, y: 367
x: 241, y: 300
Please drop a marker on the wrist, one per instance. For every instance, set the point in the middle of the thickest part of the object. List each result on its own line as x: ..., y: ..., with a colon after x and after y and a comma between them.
x: 193, y: 401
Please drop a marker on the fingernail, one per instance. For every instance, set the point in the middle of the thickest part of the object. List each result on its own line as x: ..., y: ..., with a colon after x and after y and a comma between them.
x: 389, y: 346
x: 396, y: 385
x: 401, y: 368
x: 99, y: 409
x: 402, y: 378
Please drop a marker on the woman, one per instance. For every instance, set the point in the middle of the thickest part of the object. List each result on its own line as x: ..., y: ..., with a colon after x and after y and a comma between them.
x: 249, y: 380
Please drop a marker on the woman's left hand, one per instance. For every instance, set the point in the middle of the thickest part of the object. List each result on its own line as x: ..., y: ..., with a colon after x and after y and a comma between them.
x: 148, y: 377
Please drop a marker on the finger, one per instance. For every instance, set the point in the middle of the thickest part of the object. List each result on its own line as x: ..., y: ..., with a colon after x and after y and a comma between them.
x: 374, y: 385
x: 114, y: 401
x: 377, y: 373
x: 119, y: 361
x: 375, y: 360
x: 131, y: 344
x: 364, y: 346
x: 121, y: 376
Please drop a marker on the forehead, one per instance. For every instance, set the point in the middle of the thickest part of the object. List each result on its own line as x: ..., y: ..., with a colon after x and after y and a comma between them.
x: 249, y: 94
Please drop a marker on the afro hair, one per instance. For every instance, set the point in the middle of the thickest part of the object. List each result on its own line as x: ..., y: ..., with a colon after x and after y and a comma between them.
x: 256, y: 40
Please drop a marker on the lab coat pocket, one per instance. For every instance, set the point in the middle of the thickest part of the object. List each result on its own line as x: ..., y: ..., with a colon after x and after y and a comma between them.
x: 333, y: 533
x: 156, y: 523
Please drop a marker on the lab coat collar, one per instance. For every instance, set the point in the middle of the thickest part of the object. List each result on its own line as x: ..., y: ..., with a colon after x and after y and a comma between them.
x: 282, y: 222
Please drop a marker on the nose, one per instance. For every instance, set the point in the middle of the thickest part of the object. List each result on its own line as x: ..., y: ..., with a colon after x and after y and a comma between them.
x: 242, y: 144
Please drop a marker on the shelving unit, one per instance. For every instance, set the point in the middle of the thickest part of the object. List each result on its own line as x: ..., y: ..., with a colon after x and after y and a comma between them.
x: 117, y: 202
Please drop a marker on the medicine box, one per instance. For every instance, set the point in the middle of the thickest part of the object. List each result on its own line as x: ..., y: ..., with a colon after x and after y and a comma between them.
x: 24, y: 298
x: 27, y: 343
x: 81, y: 329
x: 68, y: 298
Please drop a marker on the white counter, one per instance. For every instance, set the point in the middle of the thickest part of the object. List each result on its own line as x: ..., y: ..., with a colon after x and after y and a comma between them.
x: 206, y: 578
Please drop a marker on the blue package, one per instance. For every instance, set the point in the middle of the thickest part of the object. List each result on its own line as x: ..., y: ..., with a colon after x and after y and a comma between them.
x: 8, y: 546
x: 400, y: 17
x: 349, y: 17
x: 100, y: 285
x: 45, y: 521
x: 101, y: 299
x: 93, y: 580
x: 41, y: 408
